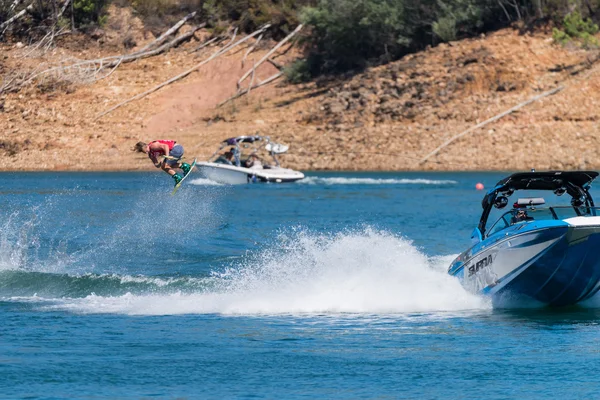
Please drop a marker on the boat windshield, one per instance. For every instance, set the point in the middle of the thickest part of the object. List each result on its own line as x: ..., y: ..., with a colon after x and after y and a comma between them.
x: 523, y: 215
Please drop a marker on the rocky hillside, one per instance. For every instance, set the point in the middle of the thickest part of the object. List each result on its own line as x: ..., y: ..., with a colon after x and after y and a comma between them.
x: 386, y: 118
x: 412, y: 106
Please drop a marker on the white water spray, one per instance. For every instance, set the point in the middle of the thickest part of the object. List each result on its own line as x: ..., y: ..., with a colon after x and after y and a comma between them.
x: 21, y: 249
x: 204, y: 182
x: 357, y: 272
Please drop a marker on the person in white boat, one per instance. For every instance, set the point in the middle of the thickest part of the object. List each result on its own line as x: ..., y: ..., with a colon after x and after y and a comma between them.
x: 253, y: 162
x: 226, y: 158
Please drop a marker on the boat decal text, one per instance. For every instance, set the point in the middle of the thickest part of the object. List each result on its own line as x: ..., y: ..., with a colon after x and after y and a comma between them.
x: 479, y: 265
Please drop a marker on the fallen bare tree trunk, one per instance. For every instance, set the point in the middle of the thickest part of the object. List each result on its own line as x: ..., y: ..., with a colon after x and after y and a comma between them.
x: 207, y: 43
x: 252, y: 79
x: 18, y: 15
x: 243, y: 92
x: 168, y: 33
x: 251, y: 49
x: 14, y: 5
x: 62, y: 10
x: 183, y: 74
x: 285, y: 51
x: 173, y: 43
x: 266, y: 57
x: 46, y: 42
x: 93, y: 67
x: 275, y: 64
x: 235, y: 31
x: 88, y: 70
x: 111, y: 71
x: 487, y: 121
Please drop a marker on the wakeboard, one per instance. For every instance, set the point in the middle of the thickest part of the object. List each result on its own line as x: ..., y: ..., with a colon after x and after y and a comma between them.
x: 192, y: 165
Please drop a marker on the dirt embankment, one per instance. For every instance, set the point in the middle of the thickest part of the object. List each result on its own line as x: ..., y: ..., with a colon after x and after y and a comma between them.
x: 387, y: 118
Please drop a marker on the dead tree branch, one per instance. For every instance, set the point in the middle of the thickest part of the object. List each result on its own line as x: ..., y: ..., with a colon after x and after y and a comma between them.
x: 284, y: 52
x: 183, y: 74
x: 168, y: 33
x: 205, y: 44
x: 88, y: 71
x: 487, y: 121
x: 275, y: 64
x: 45, y: 43
x: 252, y: 78
x: 243, y: 92
x: 62, y: 10
x: 266, y: 57
x: 233, y: 37
x: 14, y: 5
x: 173, y: 43
x: 6, y: 24
x: 111, y: 71
x: 251, y: 49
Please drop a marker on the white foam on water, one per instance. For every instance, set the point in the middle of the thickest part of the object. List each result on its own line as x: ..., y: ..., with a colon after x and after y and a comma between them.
x: 315, y: 180
x: 204, y: 182
x: 354, y: 272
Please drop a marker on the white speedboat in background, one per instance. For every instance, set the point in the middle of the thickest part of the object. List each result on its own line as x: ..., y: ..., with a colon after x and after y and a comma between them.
x: 249, y: 168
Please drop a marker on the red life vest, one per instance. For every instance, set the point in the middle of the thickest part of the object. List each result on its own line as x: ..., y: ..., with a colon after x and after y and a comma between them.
x: 161, y: 152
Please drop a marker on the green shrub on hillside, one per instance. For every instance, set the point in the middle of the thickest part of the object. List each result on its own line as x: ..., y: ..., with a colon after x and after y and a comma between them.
x: 88, y: 11
x: 445, y: 28
x: 575, y: 25
x: 462, y: 18
x: 350, y: 34
x: 35, y: 23
x: 347, y: 33
x: 576, y: 29
x: 298, y: 72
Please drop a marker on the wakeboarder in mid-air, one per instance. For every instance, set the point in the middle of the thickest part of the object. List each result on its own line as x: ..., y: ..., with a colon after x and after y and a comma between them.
x: 171, y: 154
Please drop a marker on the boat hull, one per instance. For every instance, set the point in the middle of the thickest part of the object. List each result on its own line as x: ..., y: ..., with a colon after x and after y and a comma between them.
x: 232, y: 175
x: 556, y: 266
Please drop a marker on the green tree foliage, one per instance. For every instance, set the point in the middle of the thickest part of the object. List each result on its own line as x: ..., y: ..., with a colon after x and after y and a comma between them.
x: 298, y: 72
x: 44, y: 14
x: 460, y: 18
x: 88, y: 11
x: 576, y: 29
x: 349, y: 34
x: 346, y: 33
x: 445, y: 28
x: 340, y: 35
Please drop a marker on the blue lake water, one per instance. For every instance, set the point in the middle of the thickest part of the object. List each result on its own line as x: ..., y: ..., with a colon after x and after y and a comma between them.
x: 334, y: 287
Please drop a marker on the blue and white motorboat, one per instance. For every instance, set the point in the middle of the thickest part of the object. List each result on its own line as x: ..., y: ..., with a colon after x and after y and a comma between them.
x: 249, y: 167
x: 548, y: 253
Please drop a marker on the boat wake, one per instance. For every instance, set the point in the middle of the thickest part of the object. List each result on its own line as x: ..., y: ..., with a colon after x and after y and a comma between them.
x: 204, y: 182
x: 315, y: 180
x: 365, y: 272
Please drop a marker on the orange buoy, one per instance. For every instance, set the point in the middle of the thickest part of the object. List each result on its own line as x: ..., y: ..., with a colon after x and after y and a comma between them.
x: 479, y: 186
